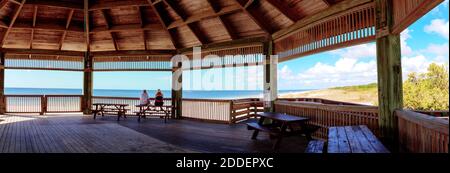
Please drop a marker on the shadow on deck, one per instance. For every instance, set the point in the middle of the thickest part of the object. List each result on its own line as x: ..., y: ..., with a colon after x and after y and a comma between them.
x: 76, y: 133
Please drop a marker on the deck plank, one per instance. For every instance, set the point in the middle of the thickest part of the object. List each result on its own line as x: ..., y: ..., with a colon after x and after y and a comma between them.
x: 378, y: 146
x: 81, y: 134
x: 344, y: 146
x: 366, y: 147
x: 354, y: 141
x: 333, y: 145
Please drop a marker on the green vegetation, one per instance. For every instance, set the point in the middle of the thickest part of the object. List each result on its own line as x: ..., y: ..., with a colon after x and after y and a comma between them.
x: 427, y: 91
x: 372, y: 86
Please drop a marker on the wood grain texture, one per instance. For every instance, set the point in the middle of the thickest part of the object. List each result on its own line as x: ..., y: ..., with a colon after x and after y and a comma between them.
x: 74, y: 134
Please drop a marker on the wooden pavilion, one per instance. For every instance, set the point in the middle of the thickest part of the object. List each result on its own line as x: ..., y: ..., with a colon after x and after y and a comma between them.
x: 143, y: 35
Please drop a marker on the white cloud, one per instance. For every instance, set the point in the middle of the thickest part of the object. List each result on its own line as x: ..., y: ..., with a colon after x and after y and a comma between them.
x: 348, y: 70
x: 356, y: 52
x: 438, y: 49
x: 417, y: 64
x: 404, y: 36
x: 351, y: 69
x: 438, y: 26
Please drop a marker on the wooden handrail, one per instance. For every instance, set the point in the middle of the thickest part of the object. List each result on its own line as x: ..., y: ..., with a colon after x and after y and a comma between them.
x: 436, y: 124
x: 420, y: 133
x: 208, y: 100
x: 320, y: 100
x: 373, y: 109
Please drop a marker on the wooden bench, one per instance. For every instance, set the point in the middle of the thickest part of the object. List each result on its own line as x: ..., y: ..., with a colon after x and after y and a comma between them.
x: 150, y: 110
x: 267, y: 129
x: 282, y: 125
x: 315, y: 146
x: 109, y: 108
x: 353, y: 139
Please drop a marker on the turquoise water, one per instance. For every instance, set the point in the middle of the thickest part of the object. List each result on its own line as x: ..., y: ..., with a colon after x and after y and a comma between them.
x: 136, y: 93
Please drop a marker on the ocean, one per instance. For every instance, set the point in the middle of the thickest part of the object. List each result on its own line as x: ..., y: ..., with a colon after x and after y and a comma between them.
x: 136, y: 93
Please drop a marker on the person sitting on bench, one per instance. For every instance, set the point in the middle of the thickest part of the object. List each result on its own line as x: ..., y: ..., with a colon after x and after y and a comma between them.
x: 159, y: 98
x: 144, y: 98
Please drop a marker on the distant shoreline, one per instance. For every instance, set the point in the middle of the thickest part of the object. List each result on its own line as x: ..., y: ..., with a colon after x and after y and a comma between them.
x: 355, y: 94
x: 366, y: 94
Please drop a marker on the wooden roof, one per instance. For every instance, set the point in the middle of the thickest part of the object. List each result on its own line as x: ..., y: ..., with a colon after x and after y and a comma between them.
x: 120, y: 25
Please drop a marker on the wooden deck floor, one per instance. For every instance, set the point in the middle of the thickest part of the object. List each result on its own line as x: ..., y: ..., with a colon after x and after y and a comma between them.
x: 81, y: 134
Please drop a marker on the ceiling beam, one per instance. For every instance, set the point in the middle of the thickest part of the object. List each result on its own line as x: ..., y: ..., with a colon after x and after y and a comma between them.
x: 80, y: 7
x: 205, y: 15
x: 134, y: 53
x: 116, y: 4
x: 221, y: 19
x: 285, y: 9
x: 13, y: 20
x: 327, y: 3
x: 87, y: 24
x: 158, y: 13
x: 332, y: 10
x: 129, y: 27
x: 107, y: 19
x: 56, y: 4
x: 3, y: 3
x: 195, y: 30
x: 141, y: 15
x: 68, y: 21
x: 254, y: 41
x: 81, y: 54
x: 41, y: 52
x: 246, y: 7
x: 49, y: 27
x: 34, y: 25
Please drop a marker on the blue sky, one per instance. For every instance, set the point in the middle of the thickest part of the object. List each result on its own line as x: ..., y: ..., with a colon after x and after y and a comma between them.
x: 424, y: 42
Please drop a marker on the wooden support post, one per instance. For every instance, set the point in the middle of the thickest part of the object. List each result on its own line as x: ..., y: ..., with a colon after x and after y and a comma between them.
x: 390, y: 84
x: 87, y: 85
x: 270, y: 77
x: 177, y: 90
x: 43, y: 105
x: 2, y: 84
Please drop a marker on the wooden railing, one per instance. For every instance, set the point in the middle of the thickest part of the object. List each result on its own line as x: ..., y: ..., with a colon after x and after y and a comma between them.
x: 420, y: 133
x: 326, y: 115
x: 243, y: 109
x: 207, y: 109
x: 319, y: 100
x: 43, y: 103
x: 443, y: 114
x: 62, y: 103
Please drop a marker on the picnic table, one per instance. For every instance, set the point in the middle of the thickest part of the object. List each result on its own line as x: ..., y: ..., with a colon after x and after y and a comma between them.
x: 353, y: 139
x: 152, y: 110
x: 110, y: 108
x: 282, y: 125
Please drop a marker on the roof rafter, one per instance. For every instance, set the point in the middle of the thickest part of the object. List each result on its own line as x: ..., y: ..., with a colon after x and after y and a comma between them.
x: 158, y: 13
x: 34, y: 25
x: 227, y: 27
x: 205, y: 15
x: 326, y: 2
x: 13, y: 20
x: 57, y: 4
x: 285, y: 9
x: 116, y: 4
x: 3, y: 3
x: 107, y: 19
x: 49, y: 27
x: 142, y: 22
x: 192, y: 27
x: 69, y: 20
x: 87, y: 24
x: 246, y: 7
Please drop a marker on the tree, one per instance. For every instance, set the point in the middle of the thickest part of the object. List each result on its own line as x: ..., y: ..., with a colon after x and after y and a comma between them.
x: 427, y: 91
